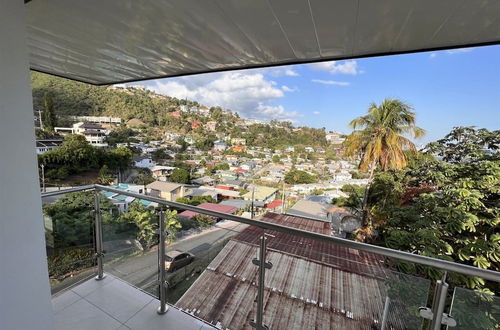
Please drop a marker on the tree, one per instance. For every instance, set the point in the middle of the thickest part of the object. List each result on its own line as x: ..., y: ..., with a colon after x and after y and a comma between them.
x: 144, y: 177
x: 444, y: 209
x: 105, y: 176
x: 146, y: 221
x: 466, y: 143
x: 298, y: 177
x: 180, y: 175
x: 72, y: 219
x: 378, y: 139
x: 49, y: 118
x: 203, y: 221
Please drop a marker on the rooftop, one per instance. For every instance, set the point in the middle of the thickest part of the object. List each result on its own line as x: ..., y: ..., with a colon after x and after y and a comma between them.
x: 304, y: 288
x: 261, y: 192
x: 164, y: 186
x: 311, y: 209
x: 210, y: 206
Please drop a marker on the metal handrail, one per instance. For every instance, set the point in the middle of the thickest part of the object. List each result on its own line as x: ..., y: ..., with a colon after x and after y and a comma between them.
x: 387, y: 252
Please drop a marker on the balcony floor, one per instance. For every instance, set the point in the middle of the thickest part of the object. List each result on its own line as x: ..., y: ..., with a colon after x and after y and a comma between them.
x: 114, y: 304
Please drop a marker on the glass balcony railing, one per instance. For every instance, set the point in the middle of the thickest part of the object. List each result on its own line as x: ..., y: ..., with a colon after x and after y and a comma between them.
x: 70, y: 238
x: 277, y: 271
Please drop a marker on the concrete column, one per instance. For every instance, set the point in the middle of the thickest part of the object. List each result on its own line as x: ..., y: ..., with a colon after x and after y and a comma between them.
x: 24, y: 287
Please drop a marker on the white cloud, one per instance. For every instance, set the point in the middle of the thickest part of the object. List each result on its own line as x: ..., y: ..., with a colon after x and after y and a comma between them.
x: 452, y: 52
x: 316, y: 112
x: 331, y: 82
x: 334, y: 67
x: 459, y: 51
x: 246, y: 93
x: 288, y: 89
x: 283, y: 72
x: 277, y: 112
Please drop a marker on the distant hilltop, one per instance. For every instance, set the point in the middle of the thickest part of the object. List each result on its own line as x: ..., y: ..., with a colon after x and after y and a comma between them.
x: 121, y: 104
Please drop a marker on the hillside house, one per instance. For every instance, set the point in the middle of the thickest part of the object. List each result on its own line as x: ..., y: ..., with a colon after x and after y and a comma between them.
x: 169, y: 191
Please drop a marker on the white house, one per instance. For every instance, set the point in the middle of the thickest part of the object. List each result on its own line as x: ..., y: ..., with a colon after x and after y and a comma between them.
x: 95, y: 134
x: 144, y: 162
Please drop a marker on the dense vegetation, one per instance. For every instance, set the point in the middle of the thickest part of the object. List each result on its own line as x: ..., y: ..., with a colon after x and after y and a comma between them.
x: 295, y: 176
x: 446, y: 209
x: 77, y: 155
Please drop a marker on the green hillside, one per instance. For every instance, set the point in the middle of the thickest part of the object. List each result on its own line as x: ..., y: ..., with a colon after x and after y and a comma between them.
x: 79, y: 99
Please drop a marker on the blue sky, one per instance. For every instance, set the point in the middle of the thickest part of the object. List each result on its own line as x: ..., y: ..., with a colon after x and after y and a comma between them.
x: 446, y: 89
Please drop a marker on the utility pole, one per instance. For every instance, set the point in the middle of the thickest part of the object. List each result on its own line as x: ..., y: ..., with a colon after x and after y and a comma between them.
x: 283, y: 199
x: 43, y: 177
x: 40, y: 118
x: 253, y: 196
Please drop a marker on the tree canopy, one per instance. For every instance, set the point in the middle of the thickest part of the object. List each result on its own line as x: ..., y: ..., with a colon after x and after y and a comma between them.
x: 180, y: 175
x: 445, y: 209
x: 295, y: 176
x: 379, y: 135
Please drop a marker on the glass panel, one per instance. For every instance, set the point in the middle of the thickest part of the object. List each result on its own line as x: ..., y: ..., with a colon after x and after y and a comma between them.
x: 475, y: 310
x: 203, y: 245
x: 69, y: 233
x: 130, y: 241
x: 311, y: 285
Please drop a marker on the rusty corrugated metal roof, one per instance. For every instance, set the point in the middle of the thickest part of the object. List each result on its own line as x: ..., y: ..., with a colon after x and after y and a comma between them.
x: 303, y: 290
x: 352, y: 260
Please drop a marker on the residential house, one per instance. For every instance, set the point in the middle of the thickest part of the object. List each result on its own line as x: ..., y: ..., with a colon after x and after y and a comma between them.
x: 162, y: 173
x: 310, y: 209
x: 339, y: 288
x: 309, y: 149
x: 248, y: 166
x: 195, y: 124
x: 212, y: 207
x: 211, y: 126
x: 238, y: 141
x: 189, y: 140
x: 220, y: 146
x: 290, y: 149
x: 261, y: 193
x: 206, y: 180
x: 335, y: 138
x: 97, y: 120
x: 238, y: 148
x: 144, y: 162
x: 94, y: 134
x: 44, y: 145
x: 166, y: 190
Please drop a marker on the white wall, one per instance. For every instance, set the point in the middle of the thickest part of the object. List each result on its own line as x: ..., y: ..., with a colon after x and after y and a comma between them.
x: 24, y: 288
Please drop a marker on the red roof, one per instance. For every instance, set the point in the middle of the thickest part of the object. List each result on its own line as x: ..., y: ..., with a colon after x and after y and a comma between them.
x: 274, y: 204
x: 210, y: 206
x: 240, y: 170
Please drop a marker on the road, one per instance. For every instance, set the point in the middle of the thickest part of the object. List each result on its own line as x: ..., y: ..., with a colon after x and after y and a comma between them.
x: 141, y: 270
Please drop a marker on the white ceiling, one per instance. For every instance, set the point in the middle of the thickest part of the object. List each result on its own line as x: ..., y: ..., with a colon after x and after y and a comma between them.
x: 111, y: 41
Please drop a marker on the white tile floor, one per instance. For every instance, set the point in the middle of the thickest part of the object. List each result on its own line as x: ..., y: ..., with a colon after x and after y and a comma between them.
x: 114, y: 304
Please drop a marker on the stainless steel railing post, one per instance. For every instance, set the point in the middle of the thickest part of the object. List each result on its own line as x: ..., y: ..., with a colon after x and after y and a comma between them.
x: 161, y: 265
x: 258, y: 323
x: 385, y: 314
x: 438, y: 304
x: 98, y: 236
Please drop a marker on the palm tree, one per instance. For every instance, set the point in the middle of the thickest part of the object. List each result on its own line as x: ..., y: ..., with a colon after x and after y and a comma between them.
x: 378, y: 138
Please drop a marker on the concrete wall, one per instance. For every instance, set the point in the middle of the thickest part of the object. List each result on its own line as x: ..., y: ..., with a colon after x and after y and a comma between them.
x: 24, y: 288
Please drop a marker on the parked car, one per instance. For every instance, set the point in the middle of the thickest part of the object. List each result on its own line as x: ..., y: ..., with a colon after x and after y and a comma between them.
x: 176, y: 259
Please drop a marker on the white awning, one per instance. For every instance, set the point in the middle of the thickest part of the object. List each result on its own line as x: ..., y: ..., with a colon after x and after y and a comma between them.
x: 112, y: 41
